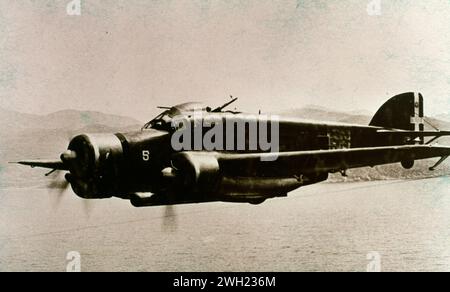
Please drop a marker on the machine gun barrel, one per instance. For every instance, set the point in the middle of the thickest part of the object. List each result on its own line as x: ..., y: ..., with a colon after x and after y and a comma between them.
x: 220, y: 108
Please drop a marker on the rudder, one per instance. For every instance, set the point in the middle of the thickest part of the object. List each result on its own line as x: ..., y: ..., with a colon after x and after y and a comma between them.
x: 403, y: 111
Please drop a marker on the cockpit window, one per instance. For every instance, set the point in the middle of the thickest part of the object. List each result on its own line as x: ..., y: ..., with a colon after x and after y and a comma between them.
x: 164, y: 119
x: 161, y: 121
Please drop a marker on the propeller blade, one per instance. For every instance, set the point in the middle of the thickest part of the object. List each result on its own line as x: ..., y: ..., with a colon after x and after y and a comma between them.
x: 57, y: 186
x: 169, y: 220
x: 87, y: 207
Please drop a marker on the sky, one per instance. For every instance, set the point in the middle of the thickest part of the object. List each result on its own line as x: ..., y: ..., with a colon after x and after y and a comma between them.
x: 127, y: 57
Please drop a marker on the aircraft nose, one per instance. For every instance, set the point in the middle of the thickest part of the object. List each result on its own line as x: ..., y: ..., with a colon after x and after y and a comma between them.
x: 93, y: 162
x: 70, y: 158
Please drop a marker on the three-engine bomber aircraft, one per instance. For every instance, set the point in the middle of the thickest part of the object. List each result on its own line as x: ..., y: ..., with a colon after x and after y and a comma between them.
x: 144, y: 167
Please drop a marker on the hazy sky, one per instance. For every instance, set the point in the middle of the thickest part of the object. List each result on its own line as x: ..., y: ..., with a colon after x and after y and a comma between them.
x: 126, y: 57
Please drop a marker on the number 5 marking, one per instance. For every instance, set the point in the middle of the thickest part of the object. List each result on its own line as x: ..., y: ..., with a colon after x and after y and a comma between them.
x: 145, y: 155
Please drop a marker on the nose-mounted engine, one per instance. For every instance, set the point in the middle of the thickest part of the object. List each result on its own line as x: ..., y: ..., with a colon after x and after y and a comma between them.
x: 94, y: 164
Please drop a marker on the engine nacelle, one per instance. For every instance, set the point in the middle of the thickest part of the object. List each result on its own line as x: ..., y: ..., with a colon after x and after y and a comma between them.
x: 196, y: 172
x: 93, y: 161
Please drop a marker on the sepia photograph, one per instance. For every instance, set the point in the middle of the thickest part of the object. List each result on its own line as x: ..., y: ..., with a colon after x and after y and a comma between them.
x: 248, y: 136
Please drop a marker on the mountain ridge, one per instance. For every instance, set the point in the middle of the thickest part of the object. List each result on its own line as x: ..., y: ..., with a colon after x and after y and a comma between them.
x: 63, y: 119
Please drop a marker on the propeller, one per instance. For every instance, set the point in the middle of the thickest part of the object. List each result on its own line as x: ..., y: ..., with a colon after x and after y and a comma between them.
x: 59, y: 184
x: 87, y: 207
x: 57, y: 187
x: 169, y: 219
x: 87, y: 164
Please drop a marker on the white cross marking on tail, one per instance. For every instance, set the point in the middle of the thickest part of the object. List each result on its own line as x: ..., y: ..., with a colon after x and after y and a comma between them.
x: 416, y: 120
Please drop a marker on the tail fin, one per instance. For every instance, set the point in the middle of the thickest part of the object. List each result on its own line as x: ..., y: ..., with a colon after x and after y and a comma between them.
x: 403, y: 111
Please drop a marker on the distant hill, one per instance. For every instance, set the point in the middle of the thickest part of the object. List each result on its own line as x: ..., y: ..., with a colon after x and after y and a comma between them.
x: 66, y: 119
x: 312, y: 112
x: 444, y: 117
x: 19, y: 131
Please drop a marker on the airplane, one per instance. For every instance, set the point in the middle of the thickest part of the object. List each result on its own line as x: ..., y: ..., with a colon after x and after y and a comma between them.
x: 144, y: 168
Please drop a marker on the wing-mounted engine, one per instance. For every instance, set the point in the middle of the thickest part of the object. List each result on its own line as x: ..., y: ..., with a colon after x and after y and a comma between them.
x: 195, y: 173
x: 94, y: 163
x: 192, y: 178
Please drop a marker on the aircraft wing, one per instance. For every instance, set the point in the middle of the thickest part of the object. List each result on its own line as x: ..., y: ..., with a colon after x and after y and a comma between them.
x: 319, y: 161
